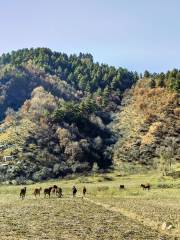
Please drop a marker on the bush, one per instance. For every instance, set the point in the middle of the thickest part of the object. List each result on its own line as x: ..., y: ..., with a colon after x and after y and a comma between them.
x: 165, y: 185
x: 42, y: 174
x: 21, y: 180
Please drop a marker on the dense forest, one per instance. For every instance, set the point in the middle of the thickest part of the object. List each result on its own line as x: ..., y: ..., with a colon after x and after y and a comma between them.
x: 58, y: 112
x: 71, y: 77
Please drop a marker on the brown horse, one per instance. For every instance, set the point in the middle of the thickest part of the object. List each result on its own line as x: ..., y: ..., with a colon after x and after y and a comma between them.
x: 54, y: 189
x: 84, y: 191
x: 74, y: 191
x: 59, y: 192
x: 23, y: 193
x: 47, y: 191
x: 37, y: 191
x: 121, y: 187
x: 146, y: 186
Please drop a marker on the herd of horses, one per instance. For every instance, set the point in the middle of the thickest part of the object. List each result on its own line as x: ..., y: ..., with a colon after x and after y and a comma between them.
x: 54, y: 190
x: 57, y: 191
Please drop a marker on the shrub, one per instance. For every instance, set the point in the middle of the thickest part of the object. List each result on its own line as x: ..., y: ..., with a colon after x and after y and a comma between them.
x: 42, y: 174
x: 165, y: 185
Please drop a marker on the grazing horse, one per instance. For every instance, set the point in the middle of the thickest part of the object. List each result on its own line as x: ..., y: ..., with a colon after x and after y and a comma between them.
x: 37, y: 191
x: 23, y: 193
x: 84, y: 191
x: 59, y: 192
x: 74, y: 190
x: 121, y: 187
x: 54, y: 189
x: 47, y: 191
x: 146, y: 186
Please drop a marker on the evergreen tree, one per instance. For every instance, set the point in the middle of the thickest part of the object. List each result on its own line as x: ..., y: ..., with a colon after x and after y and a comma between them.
x: 146, y: 74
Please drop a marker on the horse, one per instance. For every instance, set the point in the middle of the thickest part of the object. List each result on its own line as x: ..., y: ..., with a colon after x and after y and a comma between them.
x: 37, y: 191
x: 59, y: 192
x: 74, y: 190
x: 84, y: 191
x: 23, y: 193
x: 121, y: 187
x: 54, y: 189
x: 47, y: 191
x: 146, y: 186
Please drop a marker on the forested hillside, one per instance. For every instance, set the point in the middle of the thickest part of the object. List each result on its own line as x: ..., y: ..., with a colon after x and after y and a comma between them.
x: 149, y: 122
x: 69, y: 77
x: 65, y: 114
x: 55, y: 111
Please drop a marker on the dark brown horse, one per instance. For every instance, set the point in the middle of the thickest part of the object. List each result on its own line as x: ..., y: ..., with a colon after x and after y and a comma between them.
x: 54, y: 189
x: 23, y: 193
x: 146, y: 186
x: 74, y: 191
x: 47, y: 191
x: 121, y: 187
x: 84, y: 191
x: 37, y: 191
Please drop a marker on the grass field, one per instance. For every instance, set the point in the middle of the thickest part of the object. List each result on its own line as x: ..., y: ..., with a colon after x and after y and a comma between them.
x: 106, y: 213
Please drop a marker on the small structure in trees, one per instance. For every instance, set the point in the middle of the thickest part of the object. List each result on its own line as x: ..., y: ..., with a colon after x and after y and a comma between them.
x: 7, y: 158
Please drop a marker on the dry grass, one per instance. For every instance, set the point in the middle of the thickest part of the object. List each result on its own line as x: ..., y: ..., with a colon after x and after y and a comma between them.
x: 107, y: 213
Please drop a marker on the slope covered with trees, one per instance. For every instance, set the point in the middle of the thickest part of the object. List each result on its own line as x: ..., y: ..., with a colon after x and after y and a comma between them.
x: 65, y: 114
x: 22, y: 71
x: 55, y: 111
x: 149, y: 122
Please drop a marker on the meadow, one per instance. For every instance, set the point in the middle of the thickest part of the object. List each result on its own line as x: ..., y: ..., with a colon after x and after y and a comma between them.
x: 106, y: 213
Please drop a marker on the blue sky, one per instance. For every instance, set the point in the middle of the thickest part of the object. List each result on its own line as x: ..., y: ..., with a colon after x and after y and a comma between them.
x: 136, y: 34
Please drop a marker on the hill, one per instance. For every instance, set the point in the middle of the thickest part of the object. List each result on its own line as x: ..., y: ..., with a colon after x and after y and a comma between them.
x: 148, y: 124
x: 65, y: 114
x: 55, y: 110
